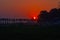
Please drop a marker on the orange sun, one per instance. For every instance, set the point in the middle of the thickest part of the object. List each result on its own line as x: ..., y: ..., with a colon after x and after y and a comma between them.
x: 34, y: 18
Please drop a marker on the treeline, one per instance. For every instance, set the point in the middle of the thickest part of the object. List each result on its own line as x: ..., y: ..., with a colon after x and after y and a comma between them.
x: 52, y: 16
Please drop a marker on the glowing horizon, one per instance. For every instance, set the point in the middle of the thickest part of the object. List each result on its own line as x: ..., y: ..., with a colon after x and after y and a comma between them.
x: 25, y: 8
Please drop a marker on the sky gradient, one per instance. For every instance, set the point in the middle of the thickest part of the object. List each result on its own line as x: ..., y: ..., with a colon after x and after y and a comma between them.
x: 25, y: 8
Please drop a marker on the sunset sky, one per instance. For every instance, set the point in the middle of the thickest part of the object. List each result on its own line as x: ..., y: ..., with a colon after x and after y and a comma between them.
x: 25, y: 8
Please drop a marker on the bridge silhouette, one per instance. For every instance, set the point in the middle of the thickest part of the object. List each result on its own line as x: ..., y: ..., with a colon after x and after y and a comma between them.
x: 6, y: 20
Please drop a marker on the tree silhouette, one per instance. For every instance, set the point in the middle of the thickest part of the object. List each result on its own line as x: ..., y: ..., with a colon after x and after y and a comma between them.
x: 53, y: 13
x: 52, y: 16
x: 43, y: 16
x: 59, y: 12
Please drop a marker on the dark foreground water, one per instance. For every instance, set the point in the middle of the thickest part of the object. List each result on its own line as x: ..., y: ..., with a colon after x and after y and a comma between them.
x: 21, y: 31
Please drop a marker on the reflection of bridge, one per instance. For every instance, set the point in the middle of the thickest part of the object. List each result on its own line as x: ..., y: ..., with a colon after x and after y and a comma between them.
x: 5, y: 20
